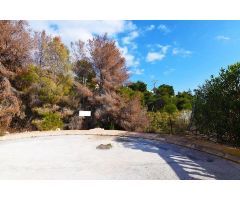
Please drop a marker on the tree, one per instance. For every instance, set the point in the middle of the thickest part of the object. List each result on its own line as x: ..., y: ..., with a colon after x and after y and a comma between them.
x: 51, y: 54
x: 165, y: 90
x: 100, y: 78
x: 82, y: 67
x: 49, y: 82
x: 15, y: 45
x: 162, y: 96
x: 41, y: 41
x: 138, y: 86
x: 184, y: 100
x: 110, y: 73
x: 52, y: 69
x: 216, y: 105
x: 150, y: 101
x: 84, y: 72
x: 108, y: 64
x: 133, y: 116
x: 170, y: 109
x: 15, y: 51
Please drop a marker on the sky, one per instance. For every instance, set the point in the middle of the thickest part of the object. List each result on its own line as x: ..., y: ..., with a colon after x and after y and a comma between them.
x: 179, y: 53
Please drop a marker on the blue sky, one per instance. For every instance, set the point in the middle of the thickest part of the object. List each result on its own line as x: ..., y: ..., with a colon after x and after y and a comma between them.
x: 180, y: 53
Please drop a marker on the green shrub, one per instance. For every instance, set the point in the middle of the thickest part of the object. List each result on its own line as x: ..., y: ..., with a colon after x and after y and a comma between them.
x: 50, y: 121
x: 160, y: 123
x: 170, y: 108
x: 217, y: 105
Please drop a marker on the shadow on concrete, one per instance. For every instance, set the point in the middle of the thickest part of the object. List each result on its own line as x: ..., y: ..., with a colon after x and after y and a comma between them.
x: 186, y: 163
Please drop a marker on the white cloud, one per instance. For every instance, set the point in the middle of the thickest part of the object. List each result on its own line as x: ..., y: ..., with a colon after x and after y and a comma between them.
x: 130, y: 26
x: 154, y: 56
x: 136, y: 71
x: 131, y: 61
x: 181, y: 52
x: 163, y: 48
x: 84, y: 30
x: 164, y: 28
x: 157, y: 55
x: 129, y: 39
x: 222, y: 37
x: 150, y: 28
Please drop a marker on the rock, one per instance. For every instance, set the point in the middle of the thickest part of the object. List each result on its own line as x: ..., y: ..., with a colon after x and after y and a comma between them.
x: 104, y: 146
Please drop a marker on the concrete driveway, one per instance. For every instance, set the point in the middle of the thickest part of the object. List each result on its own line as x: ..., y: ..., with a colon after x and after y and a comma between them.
x: 76, y: 157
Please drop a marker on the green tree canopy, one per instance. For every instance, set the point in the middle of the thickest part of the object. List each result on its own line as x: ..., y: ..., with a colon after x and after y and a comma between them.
x: 165, y: 90
x: 184, y: 100
x: 217, y: 105
x: 138, y: 86
x: 170, y: 108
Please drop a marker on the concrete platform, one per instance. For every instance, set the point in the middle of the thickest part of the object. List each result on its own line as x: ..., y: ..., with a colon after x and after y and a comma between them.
x: 76, y: 157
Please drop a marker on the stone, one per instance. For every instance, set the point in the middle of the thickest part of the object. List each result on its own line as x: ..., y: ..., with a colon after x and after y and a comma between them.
x: 104, y: 146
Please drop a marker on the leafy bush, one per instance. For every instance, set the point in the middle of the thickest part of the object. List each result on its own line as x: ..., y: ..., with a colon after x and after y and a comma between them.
x: 50, y: 121
x: 217, y: 105
x: 160, y: 122
x: 170, y: 109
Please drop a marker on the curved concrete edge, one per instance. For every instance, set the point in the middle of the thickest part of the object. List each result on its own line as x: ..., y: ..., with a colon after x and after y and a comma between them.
x: 219, y: 150
x: 209, y: 150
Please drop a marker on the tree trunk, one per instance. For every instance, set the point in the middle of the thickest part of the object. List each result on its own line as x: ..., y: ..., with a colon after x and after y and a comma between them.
x: 171, y: 125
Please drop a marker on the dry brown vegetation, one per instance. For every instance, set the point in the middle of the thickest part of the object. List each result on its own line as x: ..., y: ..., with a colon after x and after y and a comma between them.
x: 42, y: 87
x: 15, y: 45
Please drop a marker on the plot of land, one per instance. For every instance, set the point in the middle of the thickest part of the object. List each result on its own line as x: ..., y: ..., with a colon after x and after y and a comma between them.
x: 76, y: 157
